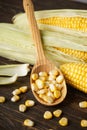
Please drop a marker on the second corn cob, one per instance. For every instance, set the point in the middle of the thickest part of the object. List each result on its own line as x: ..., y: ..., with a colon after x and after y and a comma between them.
x: 76, y: 53
x: 76, y: 75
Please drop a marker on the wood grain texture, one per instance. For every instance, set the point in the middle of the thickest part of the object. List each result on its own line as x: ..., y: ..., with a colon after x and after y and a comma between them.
x: 10, y: 117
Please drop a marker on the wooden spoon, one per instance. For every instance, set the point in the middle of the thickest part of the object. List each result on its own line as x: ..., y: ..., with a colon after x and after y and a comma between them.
x: 42, y: 63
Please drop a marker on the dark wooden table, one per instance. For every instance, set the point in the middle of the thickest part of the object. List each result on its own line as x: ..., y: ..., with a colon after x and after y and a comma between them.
x: 10, y: 117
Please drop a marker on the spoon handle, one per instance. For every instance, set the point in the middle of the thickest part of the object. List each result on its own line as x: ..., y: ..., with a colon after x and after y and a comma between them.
x: 29, y: 9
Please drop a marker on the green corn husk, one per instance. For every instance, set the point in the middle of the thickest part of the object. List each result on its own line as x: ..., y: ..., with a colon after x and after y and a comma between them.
x: 17, y: 45
x: 10, y: 70
x: 8, y: 80
x: 20, y: 20
x: 10, y: 73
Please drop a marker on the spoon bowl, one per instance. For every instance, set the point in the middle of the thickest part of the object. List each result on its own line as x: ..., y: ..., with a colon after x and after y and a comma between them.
x: 46, y: 68
x: 42, y: 63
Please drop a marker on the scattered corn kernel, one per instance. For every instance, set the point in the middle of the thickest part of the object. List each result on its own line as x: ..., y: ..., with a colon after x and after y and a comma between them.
x: 63, y: 121
x: 57, y: 113
x: 83, y: 104
x: 16, y: 92
x: 28, y: 122
x: 2, y: 99
x: 59, y: 79
x: 43, y: 74
x: 15, y: 98
x: 57, y: 94
x: 34, y: 76
x: 39, y: 83
x: 47, y: 115
x: 84, y: 123
x: 23, y: 89
x: 22, y: 108
x: 29, y: 103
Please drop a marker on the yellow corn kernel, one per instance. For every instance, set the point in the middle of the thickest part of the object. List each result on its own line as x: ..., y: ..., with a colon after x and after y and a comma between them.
x: 54, y: 72
x: 42, y: 91
x: 60, y: 79
x: 84, y: 123
x: 74, y: 23
x: 50, y: 94
x: 43, y: 78
x: 23, y: 89
x: 41, y: 95
x: 75, y: 75
x: 53, y: 82
x: 57, y: 94
x: 57, y: 113
x: 15, y: 98
x: 48, y: 99
x: 34, y: 87
x: 39, y: 83
x: 16, y: 92
x: 63, y: 121
x: 51, y: 77
x: 43, y: 74
x: 47, y: 115
x: 59, y: 86
x: 52, y: 87
x: 29, y: 103
x: 83, y: 104
x: 76, y: 53
x: 2, y: 99
x: 34, y: 76
x: 22, y: 108
x: 28, y: 122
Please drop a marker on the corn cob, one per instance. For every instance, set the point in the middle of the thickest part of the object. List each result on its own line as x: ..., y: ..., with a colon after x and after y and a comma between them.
x: 69, y: 21
x: 76, y: 53
x: 76, y: 75
x: 77, y: 23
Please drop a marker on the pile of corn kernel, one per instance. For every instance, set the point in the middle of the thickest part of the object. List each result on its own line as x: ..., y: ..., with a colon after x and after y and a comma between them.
x: 48, y: 86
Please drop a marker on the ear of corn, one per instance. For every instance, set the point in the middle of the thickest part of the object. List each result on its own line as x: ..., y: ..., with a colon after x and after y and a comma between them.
x: 16, y: 44
x: 79, y: 54
x: 76, y: 75
x: 68, y: 21
x: 71, y: 22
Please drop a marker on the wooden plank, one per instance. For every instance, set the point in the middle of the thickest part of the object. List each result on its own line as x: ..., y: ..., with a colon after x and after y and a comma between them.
x: 10, y: 117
